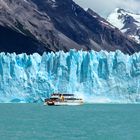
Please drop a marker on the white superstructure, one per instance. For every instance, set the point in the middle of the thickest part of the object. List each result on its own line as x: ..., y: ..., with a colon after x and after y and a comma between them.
x: 63, y: 99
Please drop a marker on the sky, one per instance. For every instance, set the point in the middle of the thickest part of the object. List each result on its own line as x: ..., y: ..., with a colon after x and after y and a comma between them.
x: 104, y: 7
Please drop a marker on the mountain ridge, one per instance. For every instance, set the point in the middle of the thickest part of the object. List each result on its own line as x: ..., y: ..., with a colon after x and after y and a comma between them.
x: 127, y: 22
x: 60, y: 25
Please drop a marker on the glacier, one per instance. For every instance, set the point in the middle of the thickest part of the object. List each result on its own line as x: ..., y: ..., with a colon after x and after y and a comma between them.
x: 97, y: 77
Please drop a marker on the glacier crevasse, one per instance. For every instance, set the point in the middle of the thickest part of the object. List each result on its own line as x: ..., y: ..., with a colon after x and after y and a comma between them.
x: 95, y: 76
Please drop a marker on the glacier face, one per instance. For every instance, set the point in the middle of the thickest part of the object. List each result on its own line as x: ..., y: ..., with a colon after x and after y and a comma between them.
x: 96, y: 76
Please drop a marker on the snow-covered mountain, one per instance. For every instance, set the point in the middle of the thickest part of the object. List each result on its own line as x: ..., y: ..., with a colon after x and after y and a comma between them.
x: 127, y: 22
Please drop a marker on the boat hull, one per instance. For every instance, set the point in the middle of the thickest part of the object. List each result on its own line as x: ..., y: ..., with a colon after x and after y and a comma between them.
x: 66, y: 104
x: 63, y: 103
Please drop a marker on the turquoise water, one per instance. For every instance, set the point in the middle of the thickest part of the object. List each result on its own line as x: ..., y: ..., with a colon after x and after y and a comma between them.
x: 87, y: 122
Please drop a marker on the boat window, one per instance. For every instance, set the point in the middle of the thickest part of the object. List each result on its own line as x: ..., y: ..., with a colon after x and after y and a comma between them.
x: 53, y: 98
x: 72, y: 99
x: 68, y: 94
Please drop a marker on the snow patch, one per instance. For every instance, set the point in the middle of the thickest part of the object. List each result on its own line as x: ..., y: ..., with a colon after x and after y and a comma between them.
x: 114, y: 19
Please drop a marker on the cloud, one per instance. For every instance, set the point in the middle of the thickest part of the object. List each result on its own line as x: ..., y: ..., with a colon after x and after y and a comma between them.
x: 105, y: 7
x: 132, y: 5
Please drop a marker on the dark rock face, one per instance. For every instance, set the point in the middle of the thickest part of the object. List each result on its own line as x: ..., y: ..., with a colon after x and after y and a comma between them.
x: 11, y: 41
x: 48, y: 25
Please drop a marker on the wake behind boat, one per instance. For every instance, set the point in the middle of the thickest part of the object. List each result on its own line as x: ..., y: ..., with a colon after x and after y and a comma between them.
x: 58, y: 99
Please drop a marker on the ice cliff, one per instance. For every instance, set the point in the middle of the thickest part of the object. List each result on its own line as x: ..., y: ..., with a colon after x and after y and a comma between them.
x: 96, y: 76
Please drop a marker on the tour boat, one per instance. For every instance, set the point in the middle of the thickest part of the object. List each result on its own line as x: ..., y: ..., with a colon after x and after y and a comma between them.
x: 59, y: 99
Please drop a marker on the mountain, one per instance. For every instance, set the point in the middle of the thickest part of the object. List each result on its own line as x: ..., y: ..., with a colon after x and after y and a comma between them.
x: 52, y: 25
x: 96, y: 77
x: 127, y: 22
x: 99, y: 18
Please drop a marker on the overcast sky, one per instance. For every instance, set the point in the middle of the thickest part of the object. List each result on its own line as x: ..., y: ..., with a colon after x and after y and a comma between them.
x: 104, y: 7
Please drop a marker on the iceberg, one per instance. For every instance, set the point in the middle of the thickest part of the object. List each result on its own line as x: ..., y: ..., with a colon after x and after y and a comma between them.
x: 98, y: 77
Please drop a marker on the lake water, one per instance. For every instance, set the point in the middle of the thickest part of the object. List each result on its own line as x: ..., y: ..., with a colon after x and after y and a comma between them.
x: 87, y: 122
